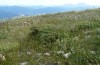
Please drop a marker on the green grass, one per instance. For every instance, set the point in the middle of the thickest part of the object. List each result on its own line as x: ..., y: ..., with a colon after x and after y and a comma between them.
x: 38, y: 39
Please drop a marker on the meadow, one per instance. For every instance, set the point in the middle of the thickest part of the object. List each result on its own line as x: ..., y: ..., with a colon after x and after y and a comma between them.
x: 67, y: 38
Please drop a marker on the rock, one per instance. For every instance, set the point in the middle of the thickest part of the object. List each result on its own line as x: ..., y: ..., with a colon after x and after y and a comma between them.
x: 67, y: 55
x: 47, y: 54
x: 2, y: 58
x: 29, y: 53
x: 24, y: 63
x: 92, y: 52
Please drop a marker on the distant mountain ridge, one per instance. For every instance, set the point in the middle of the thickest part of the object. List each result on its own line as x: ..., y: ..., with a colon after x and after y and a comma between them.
x: 12, y: 11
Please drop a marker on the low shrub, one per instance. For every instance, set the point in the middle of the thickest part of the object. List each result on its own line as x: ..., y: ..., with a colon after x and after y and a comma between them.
x: 45, y: 36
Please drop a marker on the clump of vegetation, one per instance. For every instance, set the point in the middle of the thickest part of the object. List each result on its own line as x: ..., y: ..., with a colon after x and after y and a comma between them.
x: 45, y: 36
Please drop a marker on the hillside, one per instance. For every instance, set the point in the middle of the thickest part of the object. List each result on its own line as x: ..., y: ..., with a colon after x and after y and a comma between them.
x: 69, y: 38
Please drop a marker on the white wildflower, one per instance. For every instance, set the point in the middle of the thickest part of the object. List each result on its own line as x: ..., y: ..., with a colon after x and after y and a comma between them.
x: 39, y: 54
x: 60, y: 52
x: 89, y: 36
x: 76, y: 38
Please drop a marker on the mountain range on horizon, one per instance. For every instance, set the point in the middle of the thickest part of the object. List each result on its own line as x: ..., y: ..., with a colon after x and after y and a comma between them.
x: 7, y: 12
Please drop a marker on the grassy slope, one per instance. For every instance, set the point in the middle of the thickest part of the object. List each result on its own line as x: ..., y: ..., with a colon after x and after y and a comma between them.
x: 77, y: 33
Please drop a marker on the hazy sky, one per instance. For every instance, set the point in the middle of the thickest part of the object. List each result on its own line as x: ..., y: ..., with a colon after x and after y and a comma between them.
x: 47, y: 2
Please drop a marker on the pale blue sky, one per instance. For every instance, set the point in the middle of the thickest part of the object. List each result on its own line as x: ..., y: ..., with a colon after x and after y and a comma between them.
x: 47, y: 2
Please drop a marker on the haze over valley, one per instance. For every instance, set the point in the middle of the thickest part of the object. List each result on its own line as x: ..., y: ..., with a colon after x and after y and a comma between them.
x: 8, y: 12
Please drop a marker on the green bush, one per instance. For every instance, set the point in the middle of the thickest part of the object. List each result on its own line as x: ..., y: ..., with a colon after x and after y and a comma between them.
x: 45, y: 36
